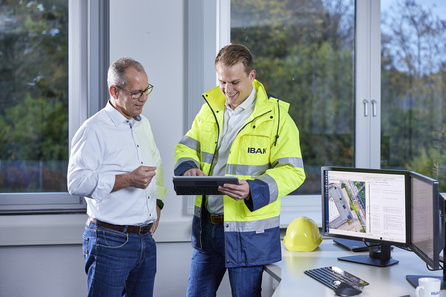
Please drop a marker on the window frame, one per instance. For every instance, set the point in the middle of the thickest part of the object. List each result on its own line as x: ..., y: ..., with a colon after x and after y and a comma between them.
x: 88, y: 60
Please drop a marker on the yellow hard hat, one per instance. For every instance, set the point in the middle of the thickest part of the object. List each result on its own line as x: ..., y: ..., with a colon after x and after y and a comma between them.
x: 302, y: 235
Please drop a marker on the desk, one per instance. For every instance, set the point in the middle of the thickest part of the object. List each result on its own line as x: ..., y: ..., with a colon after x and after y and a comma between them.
x: 384, y: 281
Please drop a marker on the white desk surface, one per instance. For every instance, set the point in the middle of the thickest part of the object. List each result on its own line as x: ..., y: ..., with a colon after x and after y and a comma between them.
x: 384, y: 281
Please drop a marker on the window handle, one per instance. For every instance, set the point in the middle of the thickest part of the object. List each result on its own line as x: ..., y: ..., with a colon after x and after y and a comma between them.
x: 366, y: 109
x: 374, y: 108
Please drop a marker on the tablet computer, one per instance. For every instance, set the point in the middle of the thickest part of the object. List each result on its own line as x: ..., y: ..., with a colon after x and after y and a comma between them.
x: 201, y: 185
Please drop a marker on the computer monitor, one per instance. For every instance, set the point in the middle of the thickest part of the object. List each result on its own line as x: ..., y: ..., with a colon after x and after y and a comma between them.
x: 371, y: 205
x: 427, y: 223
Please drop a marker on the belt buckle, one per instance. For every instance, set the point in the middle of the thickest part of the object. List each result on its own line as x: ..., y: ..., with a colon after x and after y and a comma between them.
x: 139, y: 229
x: 216, y: 220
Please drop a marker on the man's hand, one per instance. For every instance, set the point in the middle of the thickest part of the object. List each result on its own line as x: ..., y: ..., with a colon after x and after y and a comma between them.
x: 156, y: 223
x: 142, y: 176
x: 194, y: 172
x: 138, y: 178
x: 237, y: 192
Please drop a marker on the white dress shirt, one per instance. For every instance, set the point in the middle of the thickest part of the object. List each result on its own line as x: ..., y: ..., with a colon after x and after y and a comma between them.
x: 233, y: 123
x: 106, y: 145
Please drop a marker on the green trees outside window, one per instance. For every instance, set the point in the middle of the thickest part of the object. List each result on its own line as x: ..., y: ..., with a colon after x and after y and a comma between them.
x: 304, y: 54
x: 33, y: 96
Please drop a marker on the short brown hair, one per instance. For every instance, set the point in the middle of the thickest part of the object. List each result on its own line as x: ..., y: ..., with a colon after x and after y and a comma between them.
x: 235, y: 53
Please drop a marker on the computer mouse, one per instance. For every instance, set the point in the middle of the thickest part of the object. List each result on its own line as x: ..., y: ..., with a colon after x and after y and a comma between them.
x: 345, y: 289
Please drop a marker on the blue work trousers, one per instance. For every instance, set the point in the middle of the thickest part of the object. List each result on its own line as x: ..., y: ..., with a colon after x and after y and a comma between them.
x: 118, y: 263
x: 208, y: 268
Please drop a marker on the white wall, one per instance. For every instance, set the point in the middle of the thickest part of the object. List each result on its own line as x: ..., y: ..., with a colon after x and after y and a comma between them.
x: 153, y: 33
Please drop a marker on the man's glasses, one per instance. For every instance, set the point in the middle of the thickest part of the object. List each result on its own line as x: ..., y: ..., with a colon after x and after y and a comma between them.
x: 138, y: 94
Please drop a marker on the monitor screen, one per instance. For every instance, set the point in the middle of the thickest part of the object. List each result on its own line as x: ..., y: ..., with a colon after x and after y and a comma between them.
x: 426, y: 239
x: 367, y: 204
x: 427, y: 224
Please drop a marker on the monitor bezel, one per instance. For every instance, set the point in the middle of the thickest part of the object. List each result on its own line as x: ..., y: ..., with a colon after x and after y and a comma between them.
x: 438, y: 222
x: 326, y: 231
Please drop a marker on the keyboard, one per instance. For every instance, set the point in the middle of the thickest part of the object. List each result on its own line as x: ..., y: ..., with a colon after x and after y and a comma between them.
x: 333, y: 276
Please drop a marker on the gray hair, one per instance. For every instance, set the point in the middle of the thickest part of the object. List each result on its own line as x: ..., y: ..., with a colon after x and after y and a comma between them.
x: 116, y: 71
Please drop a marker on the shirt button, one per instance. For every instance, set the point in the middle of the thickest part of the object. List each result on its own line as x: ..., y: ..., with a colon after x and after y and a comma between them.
x: 142, y: 162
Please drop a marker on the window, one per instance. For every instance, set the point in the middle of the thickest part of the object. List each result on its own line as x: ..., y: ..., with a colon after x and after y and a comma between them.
x: 304, y: 55
x: 321, y: 56
x: 413, y: 87
x: 34, y: 97
x: 38, y: 111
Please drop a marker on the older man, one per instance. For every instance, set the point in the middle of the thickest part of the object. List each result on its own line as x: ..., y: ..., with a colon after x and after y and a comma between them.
x: 116, y: 166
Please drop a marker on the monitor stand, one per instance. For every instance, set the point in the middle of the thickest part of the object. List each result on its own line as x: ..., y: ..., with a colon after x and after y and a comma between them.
x: 378, y: 256
x: 413, y: 279
x: 353, y: 245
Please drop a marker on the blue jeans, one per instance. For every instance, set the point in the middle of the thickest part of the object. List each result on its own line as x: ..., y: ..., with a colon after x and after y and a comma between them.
x: 208, y: 268
x: 118, y: 263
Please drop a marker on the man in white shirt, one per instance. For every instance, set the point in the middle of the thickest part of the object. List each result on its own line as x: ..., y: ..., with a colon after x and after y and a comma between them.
x: 116, y: 166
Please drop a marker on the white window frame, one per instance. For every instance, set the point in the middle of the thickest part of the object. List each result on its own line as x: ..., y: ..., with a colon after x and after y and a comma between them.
x: 204, y: 45
x: 88, y: 61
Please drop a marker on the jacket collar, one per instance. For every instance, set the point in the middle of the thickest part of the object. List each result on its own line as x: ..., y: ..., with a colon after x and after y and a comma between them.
x: 217, y: 100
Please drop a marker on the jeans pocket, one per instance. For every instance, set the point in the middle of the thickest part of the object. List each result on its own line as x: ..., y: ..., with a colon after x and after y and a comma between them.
x: 111, y: 239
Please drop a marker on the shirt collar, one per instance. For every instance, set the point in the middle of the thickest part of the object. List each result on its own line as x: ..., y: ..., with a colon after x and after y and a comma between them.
x: 245, y: 104
x: 117, y: 117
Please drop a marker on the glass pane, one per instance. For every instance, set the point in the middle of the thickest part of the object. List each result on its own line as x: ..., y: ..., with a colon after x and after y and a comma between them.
x: 303, y: 53
x: 413, y: 86
x: 34, y: 96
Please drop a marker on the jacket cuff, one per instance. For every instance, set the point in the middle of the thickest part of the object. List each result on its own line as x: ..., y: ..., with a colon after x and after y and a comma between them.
x: 183, y: 167
x: 259, y: 194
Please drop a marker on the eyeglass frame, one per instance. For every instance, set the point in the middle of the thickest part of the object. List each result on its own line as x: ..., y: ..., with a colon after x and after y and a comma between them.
x: 147, y: 91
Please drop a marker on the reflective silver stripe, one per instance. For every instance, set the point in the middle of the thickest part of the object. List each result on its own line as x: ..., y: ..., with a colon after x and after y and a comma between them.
x: 197, y: 211
x: 252, y: 226
x: 207, y: 157
x: 272, y: 185
x: 195, y: 145
x: 294, y: 161
x: 257, y: 170
x: 249, y: 170
x: 190, y: 143
x: 182, y: 160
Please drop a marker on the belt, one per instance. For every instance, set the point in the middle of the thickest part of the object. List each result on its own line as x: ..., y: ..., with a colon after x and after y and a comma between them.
x: 215, y: 219
x: 123, y: 228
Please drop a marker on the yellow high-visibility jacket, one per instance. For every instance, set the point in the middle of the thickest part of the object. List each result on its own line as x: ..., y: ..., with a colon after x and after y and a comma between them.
x: 266, y: 152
